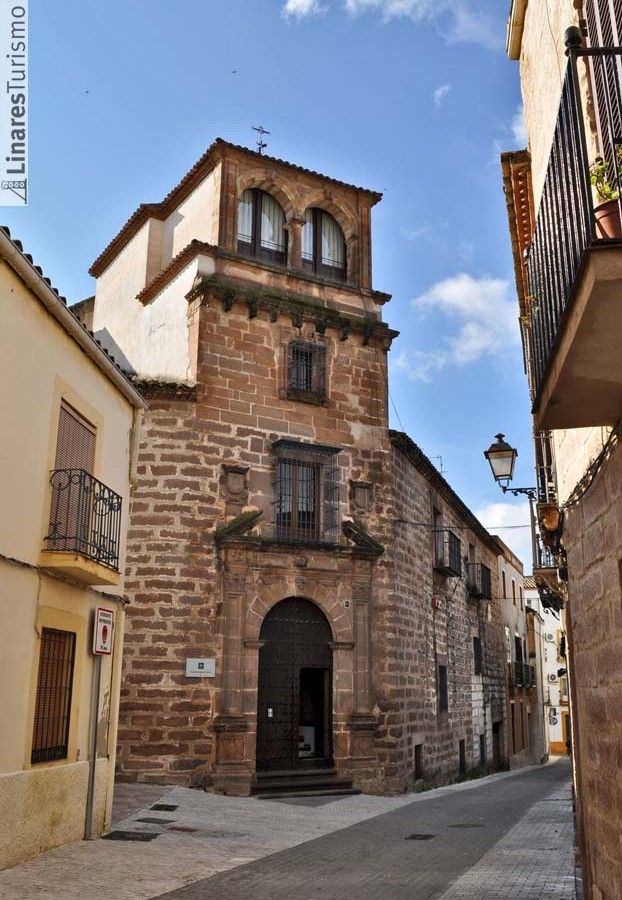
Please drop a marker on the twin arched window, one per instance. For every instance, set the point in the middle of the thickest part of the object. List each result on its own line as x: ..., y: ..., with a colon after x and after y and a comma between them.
x: 262, y: 234
x: 323, y: 245
x: 261, y: 227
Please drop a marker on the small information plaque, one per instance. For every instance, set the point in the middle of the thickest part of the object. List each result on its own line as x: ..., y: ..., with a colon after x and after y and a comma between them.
x: 200, y: 668
x: 102, y: 631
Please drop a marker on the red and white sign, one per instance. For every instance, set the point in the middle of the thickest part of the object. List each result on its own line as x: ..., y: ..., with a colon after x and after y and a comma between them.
x: 102, y: 631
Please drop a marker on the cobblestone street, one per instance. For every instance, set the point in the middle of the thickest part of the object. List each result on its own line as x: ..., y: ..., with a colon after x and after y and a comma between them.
x: 506, y: 836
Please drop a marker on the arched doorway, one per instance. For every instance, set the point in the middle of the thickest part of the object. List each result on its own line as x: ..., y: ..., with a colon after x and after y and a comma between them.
x: 294, y: 702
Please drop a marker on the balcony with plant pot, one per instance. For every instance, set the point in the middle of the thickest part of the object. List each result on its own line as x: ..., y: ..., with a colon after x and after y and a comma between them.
x: 573, y: 266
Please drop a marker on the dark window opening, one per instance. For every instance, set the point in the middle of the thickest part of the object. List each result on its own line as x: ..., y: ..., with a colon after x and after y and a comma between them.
x: 306, y: 371
x: 477, y: 655
x: 50, y: 734
x: 323, y: 245
x: 307, y: 492
x: 482, y: 749
x: 418, y: 761
x: 261, y: 227
x: 462, y: 766
x: 443, y: 695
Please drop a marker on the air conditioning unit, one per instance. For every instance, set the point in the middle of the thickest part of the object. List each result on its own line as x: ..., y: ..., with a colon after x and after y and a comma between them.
x: 549, y: 636
x: 552, y: 677
x: 554, y: 720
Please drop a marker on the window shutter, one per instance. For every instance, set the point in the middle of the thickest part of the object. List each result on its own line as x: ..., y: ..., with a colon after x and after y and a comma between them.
x: 75, y: 444
x: 604, y: 26
x: 331, y: 499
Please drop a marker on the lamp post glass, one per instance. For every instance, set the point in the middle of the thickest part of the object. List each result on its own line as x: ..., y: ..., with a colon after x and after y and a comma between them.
x: 502, y: 458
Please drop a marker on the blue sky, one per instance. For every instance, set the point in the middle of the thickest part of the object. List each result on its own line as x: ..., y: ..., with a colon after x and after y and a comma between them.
x: 411, y: 97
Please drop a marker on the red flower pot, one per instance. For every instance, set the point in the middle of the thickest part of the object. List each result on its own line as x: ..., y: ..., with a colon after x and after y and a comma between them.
x: 607, y: 218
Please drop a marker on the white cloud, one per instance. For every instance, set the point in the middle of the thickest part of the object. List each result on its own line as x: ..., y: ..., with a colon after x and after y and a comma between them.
x: 457, y: 20
x: 426, y: 232
x: 440, y: 93
x: 300, y: 9
x: 497, y: 515
x: 517, y: 127
x: 486, y: 320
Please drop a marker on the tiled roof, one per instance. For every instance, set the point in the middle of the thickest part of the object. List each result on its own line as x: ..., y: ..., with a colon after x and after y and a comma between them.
x: 529, y: 583
x: 414, y: 453
x: 190, y: 180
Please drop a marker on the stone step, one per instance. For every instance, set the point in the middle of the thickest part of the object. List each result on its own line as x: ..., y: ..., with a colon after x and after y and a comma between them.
x: 296, y: 781
x: 283, y: 795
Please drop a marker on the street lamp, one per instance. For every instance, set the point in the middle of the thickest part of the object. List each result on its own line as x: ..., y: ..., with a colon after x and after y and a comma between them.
x: 502, y: 458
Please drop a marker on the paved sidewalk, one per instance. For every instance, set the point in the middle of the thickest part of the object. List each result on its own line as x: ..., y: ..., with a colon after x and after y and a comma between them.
x: 207, y: 838
x: 533, y: 861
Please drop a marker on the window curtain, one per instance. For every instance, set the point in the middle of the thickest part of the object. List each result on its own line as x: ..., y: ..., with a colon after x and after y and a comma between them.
x: 245, y: 217
x: 272, y: 224
x: 307, y: 236
x: 333, y: 244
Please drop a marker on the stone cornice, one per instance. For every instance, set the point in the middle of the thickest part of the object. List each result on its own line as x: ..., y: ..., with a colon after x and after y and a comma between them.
x: 298, y: 307
x: 170, y: 390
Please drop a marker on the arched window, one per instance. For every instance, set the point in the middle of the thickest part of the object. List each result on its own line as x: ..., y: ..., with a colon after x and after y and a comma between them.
x: 323, y: 245
x: 261, y: 227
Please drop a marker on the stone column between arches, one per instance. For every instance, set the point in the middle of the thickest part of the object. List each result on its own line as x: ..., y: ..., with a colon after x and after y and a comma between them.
x: 253, y: 581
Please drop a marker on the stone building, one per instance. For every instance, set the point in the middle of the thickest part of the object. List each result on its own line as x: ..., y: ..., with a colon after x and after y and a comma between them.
x: 566, y: 232
x: 67, y: 416
x: 284, y: 545
x: 522, y: 638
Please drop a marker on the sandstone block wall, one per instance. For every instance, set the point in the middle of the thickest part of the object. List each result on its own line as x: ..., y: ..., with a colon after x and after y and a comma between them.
x: 593, y: 540
x: 426, y: 619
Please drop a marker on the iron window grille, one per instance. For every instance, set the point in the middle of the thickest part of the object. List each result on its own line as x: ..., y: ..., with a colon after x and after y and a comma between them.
x: 261, y: 227
x: 306, y: 371
x: 307, y: 492
x: 85, y: 517
x: 50, y: 734
x: 323, y: 246
x: 479, y: 581
x: 447, y: 551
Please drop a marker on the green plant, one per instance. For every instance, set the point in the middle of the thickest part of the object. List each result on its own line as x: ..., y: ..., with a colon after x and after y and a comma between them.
x: 599, y: 176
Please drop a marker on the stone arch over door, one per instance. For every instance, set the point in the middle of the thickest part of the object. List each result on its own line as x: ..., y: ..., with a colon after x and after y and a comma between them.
x: 295, y: 687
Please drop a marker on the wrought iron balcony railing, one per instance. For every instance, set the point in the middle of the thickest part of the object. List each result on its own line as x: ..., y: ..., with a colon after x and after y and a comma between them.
x: 544, y: 558
x: 85, y: 517
x: 567, y: 226
x: 447, y: 550
x: 479, y: 581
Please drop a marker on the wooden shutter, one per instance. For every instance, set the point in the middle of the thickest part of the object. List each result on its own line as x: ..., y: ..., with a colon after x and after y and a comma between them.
x: 75, y: 444
x: 604, y: 27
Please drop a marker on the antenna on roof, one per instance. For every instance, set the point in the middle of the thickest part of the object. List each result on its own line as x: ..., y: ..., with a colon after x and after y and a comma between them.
x: 441, y: 469
x: 261, y: 144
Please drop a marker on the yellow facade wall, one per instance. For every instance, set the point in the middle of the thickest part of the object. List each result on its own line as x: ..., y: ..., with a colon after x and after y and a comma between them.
x: 44, y: 805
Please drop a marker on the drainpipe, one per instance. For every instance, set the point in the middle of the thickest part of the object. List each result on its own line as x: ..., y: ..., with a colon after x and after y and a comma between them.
x: 97, y: 673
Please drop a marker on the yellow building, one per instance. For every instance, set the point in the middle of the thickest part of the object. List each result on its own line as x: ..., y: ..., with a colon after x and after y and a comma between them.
x: 68, y: 417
